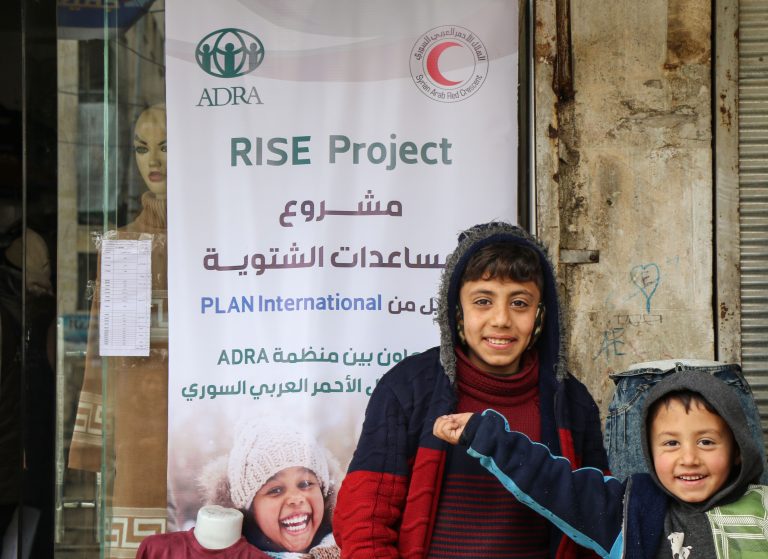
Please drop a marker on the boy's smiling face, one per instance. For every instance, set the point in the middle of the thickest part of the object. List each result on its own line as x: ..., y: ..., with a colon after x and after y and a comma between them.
x: 289, y: 508
x: 498, y: 317
x: 693, y: 451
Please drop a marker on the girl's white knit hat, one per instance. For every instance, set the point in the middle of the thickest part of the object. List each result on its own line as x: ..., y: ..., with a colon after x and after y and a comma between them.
x: 260, y: 451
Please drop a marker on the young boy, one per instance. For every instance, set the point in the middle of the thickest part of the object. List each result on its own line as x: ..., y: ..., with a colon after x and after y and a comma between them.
x: 696, y: 504
x: 407, y: 493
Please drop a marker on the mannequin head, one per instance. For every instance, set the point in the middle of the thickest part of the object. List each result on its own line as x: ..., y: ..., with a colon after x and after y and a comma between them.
x: 149, y: 147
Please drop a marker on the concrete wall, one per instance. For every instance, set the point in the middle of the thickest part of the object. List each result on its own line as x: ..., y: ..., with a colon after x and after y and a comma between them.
x: 625, y: 169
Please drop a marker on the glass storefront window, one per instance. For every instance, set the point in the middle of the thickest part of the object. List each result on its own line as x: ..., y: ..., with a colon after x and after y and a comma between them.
x: 110, y: 475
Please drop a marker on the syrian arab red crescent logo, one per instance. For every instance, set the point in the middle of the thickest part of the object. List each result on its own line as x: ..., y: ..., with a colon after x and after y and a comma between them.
x: 449, y: 63
x: 433, y: 68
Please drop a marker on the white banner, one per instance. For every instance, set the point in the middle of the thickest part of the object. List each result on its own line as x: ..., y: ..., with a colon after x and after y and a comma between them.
x: 323, y: 157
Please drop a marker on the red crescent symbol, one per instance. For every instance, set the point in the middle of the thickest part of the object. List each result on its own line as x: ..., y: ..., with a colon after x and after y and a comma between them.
x: 432, y: 68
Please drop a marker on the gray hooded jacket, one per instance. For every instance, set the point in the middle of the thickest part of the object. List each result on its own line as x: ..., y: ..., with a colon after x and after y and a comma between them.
x: 726, y: 403
x: 686, y: 524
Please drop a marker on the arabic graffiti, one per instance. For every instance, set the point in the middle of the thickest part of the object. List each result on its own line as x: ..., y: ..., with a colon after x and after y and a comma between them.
x: 317, y: 212
x: 619, y: 330
x: 638, y: 319
x: 350, y: 385
x: 351, y: 358
x: 613, y: 340
x: 342, y: 258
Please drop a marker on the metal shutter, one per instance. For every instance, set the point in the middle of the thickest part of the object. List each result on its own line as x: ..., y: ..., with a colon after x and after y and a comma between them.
x: 753, y: 195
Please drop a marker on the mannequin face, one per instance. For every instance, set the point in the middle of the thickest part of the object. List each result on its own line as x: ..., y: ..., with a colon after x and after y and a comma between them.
x: 149, y: 146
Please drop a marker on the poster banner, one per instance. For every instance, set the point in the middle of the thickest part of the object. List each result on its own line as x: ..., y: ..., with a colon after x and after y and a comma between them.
x: 323, y: 157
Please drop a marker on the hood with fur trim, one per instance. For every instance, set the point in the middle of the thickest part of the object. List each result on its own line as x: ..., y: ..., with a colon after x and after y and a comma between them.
x: 727, y: 405
x: 550, y: 343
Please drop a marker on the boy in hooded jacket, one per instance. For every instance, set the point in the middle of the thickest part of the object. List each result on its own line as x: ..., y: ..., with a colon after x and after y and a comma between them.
x: 408, y: 493
x: 700, y: 500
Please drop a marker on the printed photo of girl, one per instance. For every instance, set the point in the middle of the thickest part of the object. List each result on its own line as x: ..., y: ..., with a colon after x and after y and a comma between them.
x: 285, y: 484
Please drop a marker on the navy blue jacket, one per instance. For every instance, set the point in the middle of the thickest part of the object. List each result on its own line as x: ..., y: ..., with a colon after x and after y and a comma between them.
x: 388, y: 501
x: 387, y: 504
x: 599, y: 512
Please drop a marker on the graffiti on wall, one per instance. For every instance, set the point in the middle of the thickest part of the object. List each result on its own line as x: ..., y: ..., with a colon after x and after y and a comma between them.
x: 645, y: 280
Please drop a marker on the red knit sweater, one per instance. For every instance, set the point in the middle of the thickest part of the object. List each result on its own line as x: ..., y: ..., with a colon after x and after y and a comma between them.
x: 477, y: 516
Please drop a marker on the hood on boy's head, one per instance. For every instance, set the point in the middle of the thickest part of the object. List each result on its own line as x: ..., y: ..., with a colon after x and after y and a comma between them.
x: 727, y: 405
x: 551, y: 354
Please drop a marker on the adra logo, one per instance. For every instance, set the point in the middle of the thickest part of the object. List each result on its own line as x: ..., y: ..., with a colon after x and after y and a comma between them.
x: 229, y: 53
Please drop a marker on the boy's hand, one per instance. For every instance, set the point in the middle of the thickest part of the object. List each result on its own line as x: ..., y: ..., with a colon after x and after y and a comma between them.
x: 450, y: 427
